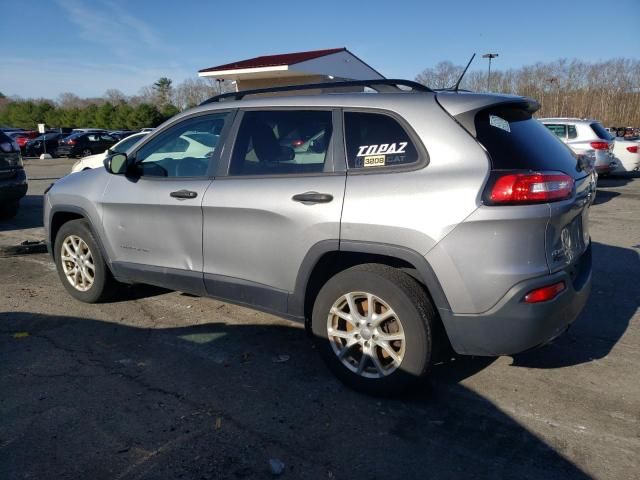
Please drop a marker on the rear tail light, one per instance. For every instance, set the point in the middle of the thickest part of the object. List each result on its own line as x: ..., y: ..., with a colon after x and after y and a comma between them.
x: 297, y: 143
x: 71, y: 142
x: 534, y: 187
x: 600, y: 145
x: 544, y: 294
x: 633, y: 149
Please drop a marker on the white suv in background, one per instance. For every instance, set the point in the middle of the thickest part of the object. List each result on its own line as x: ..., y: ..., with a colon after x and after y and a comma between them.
x: 585, y: 137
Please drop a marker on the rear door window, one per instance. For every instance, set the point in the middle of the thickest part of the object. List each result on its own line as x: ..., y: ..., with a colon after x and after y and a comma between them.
x: 376, y: 140
x: 572, y: 132
x: 287, y: 142
x: 516, y: 141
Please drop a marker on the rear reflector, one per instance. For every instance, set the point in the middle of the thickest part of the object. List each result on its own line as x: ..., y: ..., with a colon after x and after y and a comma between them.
x: 545, y: 293
x: 633, y: 149
x: 600, y: 145
x: 526, y: 188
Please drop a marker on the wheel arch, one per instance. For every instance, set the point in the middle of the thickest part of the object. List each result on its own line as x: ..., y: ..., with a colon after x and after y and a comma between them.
x: 62, y: 214
x: 329, y: 257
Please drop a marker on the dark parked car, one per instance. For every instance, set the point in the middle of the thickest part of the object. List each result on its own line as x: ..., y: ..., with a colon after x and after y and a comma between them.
x: 35, y: 147
x: 13, y: 180
x: 85, y: 144
x: 21, y: 138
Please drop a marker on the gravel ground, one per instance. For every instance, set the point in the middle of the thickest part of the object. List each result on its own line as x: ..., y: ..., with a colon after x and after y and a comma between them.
x: 166, y: 385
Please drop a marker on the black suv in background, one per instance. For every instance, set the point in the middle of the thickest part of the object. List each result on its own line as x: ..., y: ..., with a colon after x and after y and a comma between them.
x: 83, y: 144
x: 36, y: 146
x: 13, y: 180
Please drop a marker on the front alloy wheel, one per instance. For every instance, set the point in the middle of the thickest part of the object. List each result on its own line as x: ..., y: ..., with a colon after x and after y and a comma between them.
x: 80, y: 264
x: 366, y: 334
x: 77, y: 263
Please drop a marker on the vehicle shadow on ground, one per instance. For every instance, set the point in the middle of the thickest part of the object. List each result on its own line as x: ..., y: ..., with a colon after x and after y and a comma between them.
x: 619, y: 180
x: 88, y: 398
x: 137, y: 291
x: 603, y: 196
x: 29, y: 215
x: 613, y: 302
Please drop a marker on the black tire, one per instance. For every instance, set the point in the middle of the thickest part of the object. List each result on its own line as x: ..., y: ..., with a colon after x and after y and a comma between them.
x: 104, y: 285
x: 9, y: 210
x: 86, y: 152
x: 414, y: 310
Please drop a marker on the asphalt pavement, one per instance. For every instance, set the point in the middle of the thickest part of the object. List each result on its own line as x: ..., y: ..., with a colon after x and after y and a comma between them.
x: 160, y: 384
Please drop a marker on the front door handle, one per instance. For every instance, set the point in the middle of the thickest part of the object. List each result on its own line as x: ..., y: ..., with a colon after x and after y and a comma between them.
x: 184, y: 194
x: 312, y: 197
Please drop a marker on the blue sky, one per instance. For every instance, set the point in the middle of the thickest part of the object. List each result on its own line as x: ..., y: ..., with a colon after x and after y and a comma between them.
x: 88, y: 46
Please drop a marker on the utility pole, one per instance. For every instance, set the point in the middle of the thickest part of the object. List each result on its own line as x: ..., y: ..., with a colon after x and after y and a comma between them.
x: 489, y: 56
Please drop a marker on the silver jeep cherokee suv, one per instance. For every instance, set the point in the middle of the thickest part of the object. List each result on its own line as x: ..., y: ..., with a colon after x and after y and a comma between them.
x: 390, y: 222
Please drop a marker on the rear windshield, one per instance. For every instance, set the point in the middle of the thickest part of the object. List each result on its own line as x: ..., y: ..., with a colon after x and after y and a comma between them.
x: 516, y: 141
x: 600, y: 131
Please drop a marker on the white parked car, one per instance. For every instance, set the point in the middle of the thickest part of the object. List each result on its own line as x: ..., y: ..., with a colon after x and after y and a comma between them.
x: 582, y: 136
x: 95, y: 161
x: 627, y: 153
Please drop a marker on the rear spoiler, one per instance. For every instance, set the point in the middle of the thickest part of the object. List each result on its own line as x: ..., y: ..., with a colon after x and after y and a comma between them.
x: 463, y: 106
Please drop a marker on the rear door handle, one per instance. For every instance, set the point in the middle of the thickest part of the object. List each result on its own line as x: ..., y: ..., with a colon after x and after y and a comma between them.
x: 312, y: 197
x: 184, y: 194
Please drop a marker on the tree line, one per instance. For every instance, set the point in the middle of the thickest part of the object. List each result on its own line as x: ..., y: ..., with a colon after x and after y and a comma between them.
x: 608, y: 91
x: 114, y: 110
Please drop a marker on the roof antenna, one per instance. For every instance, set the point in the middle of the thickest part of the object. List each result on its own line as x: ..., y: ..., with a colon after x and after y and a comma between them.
x: 457, y: 85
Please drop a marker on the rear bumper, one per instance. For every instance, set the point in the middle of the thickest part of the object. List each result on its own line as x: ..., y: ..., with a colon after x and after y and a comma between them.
x: 513, y: 326
x: 13, y: 188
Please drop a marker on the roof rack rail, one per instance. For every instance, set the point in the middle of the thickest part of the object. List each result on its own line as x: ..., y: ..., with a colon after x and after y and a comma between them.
x: 386, y: 82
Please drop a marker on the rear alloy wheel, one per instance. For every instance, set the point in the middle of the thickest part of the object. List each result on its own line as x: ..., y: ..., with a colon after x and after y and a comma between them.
x: 373, y: 326
x: 80, y: 264
x: 86, y: 152
x: 366, y: 334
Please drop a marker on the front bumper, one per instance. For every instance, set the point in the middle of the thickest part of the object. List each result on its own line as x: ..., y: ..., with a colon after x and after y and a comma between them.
x: 513, y: 326
x: 12, y: 189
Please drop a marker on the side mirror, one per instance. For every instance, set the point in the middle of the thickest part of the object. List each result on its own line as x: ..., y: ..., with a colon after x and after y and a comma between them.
x: 116, y: 163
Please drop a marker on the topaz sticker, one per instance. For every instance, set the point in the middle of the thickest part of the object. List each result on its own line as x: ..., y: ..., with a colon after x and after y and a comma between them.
x: 382, y: 149
x: 374, y: 161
